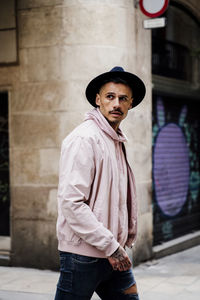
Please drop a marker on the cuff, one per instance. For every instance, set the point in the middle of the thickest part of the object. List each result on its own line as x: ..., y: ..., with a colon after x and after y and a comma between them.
x: 111, y: 248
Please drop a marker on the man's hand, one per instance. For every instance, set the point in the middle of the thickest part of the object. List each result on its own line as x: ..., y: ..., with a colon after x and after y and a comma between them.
x: 119, y: 260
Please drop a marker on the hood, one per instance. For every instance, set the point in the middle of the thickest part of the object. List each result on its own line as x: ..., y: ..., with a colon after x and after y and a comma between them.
x: 101, y: 121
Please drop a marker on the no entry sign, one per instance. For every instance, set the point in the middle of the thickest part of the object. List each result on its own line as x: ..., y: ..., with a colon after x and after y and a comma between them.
x: 153, y: 8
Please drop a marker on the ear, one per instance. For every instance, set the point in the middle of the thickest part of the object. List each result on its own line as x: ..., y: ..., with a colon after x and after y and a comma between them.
x: 131, y: 103
x: 97, y: 100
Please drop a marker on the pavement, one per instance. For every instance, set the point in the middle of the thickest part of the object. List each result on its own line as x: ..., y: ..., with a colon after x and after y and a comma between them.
x: 173, y: 277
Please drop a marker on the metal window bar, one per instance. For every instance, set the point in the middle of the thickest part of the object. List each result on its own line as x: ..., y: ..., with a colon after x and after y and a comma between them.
x: 171, y: 59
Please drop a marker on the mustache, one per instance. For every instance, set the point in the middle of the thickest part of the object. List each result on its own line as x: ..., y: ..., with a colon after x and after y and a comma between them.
x: 116, y: 110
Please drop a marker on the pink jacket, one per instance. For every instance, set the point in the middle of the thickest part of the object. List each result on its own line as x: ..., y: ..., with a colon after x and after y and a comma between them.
x: 96, y: 192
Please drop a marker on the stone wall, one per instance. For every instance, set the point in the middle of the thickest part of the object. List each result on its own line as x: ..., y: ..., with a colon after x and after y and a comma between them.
x: 36, y: 102
x: 62, y: 45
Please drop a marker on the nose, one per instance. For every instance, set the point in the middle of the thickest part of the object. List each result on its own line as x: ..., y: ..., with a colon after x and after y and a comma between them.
x: 116, y: 102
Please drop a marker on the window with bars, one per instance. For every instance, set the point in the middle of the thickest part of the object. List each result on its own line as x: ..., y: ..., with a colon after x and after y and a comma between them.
x: 175, y: 47
x: 8, y: 34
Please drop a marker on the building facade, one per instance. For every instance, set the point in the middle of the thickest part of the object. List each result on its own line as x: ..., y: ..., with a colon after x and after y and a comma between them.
x: 176, y: 126
x: 50, y: 50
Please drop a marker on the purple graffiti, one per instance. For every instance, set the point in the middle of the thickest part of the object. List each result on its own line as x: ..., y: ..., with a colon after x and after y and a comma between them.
x: 171, y: 169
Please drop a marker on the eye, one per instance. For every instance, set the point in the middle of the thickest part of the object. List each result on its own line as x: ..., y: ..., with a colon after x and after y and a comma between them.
x: 123, y: 98
x: 110, y: 97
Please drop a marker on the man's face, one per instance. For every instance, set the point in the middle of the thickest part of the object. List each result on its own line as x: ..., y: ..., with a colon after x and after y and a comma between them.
x: 114, y: 101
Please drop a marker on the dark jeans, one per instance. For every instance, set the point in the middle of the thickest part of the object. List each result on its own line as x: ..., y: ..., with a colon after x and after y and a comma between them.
x: 81, y: 275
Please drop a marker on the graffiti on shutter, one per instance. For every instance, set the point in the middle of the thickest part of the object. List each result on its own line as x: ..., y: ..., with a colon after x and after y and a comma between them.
x: 176, y: 167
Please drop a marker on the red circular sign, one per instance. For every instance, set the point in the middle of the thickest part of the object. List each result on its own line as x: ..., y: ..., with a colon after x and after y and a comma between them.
x: 153, y: 8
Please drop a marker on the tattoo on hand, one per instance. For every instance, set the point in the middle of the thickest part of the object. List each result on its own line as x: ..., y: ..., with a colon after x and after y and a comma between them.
x: 118, y: 254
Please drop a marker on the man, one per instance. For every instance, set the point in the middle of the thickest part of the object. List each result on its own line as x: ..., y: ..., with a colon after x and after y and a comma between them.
x: 96, y: 195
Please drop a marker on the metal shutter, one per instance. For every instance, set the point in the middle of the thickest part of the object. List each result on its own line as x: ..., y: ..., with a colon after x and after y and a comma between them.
x: 176, y: 167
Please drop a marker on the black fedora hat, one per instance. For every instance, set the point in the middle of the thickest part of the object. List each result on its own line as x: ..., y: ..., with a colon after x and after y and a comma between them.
x: 135, y: 83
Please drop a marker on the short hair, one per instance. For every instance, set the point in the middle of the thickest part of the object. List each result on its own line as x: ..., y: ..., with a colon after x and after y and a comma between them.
x: 116, y: 80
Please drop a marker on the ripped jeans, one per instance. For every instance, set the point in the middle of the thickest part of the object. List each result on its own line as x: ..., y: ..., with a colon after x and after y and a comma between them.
x: 81, y: 276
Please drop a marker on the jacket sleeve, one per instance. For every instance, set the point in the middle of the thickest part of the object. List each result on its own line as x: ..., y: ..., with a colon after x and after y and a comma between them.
x: 77, y: 171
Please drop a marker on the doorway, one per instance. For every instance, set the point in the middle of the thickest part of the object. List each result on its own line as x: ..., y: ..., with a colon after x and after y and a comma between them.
x: 4, y: 167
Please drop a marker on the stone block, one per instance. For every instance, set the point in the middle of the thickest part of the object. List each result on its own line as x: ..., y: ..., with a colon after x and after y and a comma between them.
x: 34, y: 202
x: 142, y: 249
x: 26, y: 167
x: 49, y: 161
x: 39, y: 97
x: 68, y: 121
x: 34, y: 130
x: 55, y: 96
x: 143, y: 42
x: 142, y: 164
x: 90, y: 61
x: 74, y: 96
x: 52, y: 209
x: 26, y: 4
x: 144, y: 196
x: 34, y: 244
x: 40, y: 27
x: 39, y: 64
x: 9, y: 76
x: 23, y: 70
x: 108, y: 25
x: 113, y: 3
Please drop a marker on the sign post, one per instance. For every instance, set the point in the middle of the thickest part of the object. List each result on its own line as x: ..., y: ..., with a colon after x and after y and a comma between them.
x: 154, y: 9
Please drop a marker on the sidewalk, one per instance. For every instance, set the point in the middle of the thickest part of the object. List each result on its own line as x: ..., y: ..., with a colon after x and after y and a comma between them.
x: 173, y: 277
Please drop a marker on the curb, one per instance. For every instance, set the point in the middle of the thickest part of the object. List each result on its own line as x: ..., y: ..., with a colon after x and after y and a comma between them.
x: 179, y: 244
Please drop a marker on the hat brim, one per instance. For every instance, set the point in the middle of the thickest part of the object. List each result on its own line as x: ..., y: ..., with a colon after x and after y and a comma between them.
x: 135, y: 83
